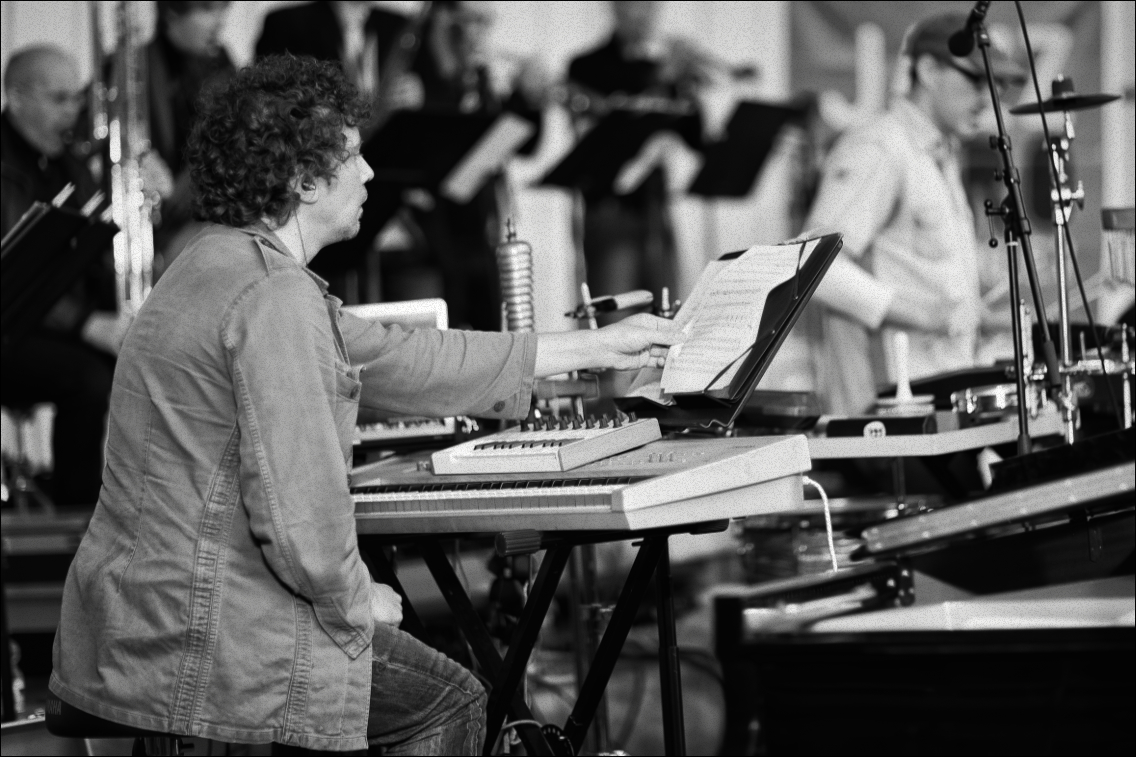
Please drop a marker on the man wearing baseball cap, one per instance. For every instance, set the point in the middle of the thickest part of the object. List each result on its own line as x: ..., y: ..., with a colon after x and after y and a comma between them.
x: 892, y: 186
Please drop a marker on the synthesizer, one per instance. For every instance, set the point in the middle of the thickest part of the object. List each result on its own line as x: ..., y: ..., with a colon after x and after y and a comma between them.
x: 404, y: 430
x: 662, y: 483
x: 556, y: 445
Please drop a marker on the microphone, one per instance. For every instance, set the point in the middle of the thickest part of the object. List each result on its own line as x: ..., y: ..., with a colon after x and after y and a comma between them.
x: 962, y: 42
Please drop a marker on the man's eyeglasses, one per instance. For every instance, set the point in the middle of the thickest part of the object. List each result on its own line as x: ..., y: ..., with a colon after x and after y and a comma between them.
x: 978, y: 80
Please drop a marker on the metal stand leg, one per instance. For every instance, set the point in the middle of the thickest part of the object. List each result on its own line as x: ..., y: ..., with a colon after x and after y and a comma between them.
x: 7, y: 693
x: 506, y: 674
x: 1025, y: 445
x: 670, y: 671
x: 899, y: 482
x: 588, y: 630
x: 634, y: 589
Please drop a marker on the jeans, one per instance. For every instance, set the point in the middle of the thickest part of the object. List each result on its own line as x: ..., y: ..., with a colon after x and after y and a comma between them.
x: 422, y: 702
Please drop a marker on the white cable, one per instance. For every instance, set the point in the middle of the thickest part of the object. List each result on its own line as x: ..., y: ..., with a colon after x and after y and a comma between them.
x: 827, y: 519
x: 512, y: 724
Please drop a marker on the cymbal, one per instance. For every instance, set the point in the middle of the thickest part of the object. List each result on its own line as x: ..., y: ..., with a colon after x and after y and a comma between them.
x: 1073, y: 102
x: 1064, y: 99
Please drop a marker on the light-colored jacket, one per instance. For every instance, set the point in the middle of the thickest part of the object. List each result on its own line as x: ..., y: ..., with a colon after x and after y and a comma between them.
x: 219, y: 590
x: 893, y: 188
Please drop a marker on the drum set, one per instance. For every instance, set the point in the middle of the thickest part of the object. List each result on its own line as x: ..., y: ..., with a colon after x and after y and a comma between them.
x: 992, y: 403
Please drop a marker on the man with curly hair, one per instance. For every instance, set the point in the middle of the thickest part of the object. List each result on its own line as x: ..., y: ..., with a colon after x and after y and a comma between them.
x: 219, y: 590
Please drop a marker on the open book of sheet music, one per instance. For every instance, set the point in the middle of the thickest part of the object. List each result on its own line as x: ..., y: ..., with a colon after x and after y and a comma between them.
x: 722, y: 317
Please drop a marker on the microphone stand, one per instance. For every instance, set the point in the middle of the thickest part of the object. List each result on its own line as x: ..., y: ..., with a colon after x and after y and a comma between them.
x: 1017, y: 229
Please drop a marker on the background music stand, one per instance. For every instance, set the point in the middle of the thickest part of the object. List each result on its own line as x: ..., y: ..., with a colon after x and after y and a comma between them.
x: 783, y: 307
x: 594, y: 163
x: 43, y: 257
x: 733, y: 164
x: 430, y: 150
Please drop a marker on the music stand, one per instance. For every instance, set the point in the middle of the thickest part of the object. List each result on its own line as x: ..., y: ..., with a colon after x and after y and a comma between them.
x: 783, y: 307
x: 597, y: 159
x: 42, y: 257
x: 733, y: 164
x: 454, y: 154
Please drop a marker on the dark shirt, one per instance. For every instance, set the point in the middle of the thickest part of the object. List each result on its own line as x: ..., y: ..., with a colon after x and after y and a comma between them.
x: 176, y: 81
x: 313, y: 30
x: 607, y: 71
x: 29, y: 176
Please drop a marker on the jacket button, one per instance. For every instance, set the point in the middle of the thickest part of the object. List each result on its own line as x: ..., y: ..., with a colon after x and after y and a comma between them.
x: 498, y: 406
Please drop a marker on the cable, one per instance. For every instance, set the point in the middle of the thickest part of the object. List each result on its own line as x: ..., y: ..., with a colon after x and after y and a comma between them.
x: 827, y: 520
x: 300, y: 231
x: 1065, y: 226
x: 507, y: 726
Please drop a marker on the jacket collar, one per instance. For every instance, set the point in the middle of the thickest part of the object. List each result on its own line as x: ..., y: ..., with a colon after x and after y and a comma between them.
x: 276, y: 254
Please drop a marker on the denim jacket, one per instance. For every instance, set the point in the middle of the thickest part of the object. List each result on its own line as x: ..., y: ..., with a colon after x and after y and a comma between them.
x: 219, y: 590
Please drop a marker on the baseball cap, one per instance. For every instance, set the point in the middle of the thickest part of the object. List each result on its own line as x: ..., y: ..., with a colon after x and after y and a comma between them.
x: 931, y: 35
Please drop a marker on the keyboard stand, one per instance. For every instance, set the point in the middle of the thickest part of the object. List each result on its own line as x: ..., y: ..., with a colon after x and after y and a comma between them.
x: 653, y: 560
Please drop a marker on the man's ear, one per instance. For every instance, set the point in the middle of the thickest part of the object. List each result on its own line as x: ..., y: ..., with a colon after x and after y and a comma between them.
x: 305, y: 186
x: 927, y: 71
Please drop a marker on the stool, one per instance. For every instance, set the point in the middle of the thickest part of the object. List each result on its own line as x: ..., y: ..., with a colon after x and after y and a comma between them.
x: 22, y: 491
x: 72, y: 723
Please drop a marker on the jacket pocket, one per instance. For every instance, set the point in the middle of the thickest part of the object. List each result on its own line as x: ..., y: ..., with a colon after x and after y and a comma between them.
x: 345, y: 407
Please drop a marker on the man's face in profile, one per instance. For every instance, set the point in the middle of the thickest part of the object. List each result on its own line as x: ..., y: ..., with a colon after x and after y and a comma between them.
x: 50, y: 103
x: 339, y: 205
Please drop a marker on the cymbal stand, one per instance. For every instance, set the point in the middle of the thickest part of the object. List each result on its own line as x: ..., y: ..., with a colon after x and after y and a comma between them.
x: 1063, y: 199
x: 1012, y: 211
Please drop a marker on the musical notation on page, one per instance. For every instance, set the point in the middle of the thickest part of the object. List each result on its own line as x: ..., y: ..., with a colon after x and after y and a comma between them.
x: 722, y: 315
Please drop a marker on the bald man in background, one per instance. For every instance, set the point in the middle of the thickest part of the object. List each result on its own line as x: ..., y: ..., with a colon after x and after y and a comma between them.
x: 68, y: 360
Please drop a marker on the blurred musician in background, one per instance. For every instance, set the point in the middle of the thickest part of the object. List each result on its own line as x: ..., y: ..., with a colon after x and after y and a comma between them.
x: 628, y: 239
x: 68, y: 361
x: 232, y: 417
x: 452, y: 73
x: 363, y: 39
x: 185, y: 56
x: 910, y: 261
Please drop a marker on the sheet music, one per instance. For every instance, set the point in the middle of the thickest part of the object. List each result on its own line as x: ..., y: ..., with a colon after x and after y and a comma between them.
x: 492, y: 151
x: 722, y: 315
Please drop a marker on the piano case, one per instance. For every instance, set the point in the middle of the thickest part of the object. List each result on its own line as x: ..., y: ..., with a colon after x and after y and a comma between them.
x: 1033, y: 652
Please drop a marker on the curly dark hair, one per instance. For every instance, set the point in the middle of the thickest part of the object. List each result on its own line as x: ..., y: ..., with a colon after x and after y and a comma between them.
x: 275, y: 121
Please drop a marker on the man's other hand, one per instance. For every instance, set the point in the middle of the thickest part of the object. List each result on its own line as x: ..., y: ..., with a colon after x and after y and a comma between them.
x: 156, y: 175
x: 927, y: 315
x: 106, y: 331
x: 386, y: 605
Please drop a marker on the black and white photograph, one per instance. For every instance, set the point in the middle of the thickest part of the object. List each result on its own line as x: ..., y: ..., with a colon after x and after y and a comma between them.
x: 567, y: 377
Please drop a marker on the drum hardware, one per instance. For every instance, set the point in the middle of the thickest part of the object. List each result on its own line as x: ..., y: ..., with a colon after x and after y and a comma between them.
x: 1065, y: 100
x: 990, y: 404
